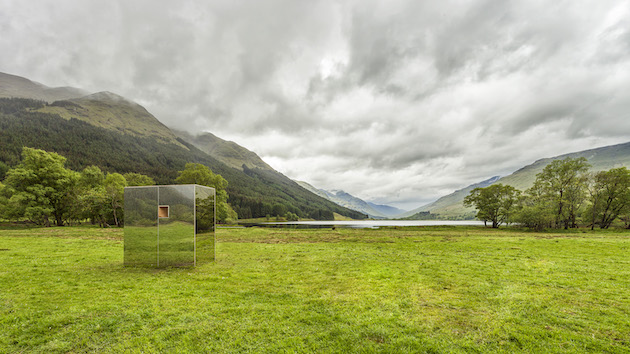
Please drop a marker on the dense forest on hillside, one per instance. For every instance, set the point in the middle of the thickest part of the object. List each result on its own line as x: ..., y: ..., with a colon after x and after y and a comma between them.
x: 252, y: 192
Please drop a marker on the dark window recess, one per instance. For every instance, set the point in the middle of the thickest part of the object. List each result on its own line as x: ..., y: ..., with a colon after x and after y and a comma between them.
x: 163, y: 211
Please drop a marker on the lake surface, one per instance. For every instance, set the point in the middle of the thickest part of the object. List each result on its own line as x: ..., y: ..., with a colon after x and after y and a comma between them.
x: 370, y: 223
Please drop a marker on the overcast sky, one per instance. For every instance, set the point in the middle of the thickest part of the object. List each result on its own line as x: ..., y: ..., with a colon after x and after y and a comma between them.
x: 396, y: 102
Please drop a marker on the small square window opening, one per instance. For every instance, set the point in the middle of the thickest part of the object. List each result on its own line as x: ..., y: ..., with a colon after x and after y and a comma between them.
x: 163, y: 211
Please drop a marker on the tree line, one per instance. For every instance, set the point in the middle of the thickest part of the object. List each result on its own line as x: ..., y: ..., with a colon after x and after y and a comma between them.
x: 566, y: 194
x: 42, y: 190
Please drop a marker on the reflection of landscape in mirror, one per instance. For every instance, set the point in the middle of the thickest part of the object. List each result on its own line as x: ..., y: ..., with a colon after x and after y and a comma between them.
x: 169, y: 226
x: 177, y: 233
x: 205, y: 223
x: 141, y: 243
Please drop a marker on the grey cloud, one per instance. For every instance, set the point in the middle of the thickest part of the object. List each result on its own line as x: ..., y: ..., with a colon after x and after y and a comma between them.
x: 426, y: 96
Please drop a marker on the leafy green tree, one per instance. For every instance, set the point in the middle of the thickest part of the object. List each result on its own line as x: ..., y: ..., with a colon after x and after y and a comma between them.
x: 494, y: 203
x: 196, y: 173
x: 291, y: 216
x: 91, y: 199
x: 94, y: 204
x: 625, y: 217
x: 41, y: 187
x: 609, y: 196
x: 4, y: 168
x: 225, y: 213
x: 137, y: 179
x: 561, y: 185
x: 4, y: 201
x: 91, y: 177
x: 321, y: 214
x: 278, y: 210
x: 115, y: 185
x: 534, y: 212
x: 595, y: 193
x: 9, y: 209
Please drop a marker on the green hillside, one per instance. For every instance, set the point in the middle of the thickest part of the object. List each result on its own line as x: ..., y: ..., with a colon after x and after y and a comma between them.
x: 228, y: 152
x: 113, y: 112
x: 450, y: 206
x: 253, y: 192
x: 604, y: 158
x: 102, y: 109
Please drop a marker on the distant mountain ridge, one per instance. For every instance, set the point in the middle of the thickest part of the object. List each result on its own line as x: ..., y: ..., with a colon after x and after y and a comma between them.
x: 351, y: 202
x: 388, y: 210
x: 603, y: 158
x: 17, y: 86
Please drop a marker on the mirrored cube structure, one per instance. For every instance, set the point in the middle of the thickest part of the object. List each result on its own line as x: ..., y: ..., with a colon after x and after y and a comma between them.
x: 169, y: 226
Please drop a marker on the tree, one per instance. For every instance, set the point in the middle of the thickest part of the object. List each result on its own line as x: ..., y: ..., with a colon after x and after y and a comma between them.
x: 278, y: 210
x: 115, y: 185
x: 4, y: 201
x: 609, y: 193
x: 137, y: 179
x: 3, y: 170
x: 494, y: 203
x: 91, y: 196
x: 291, y: 216
x: 94, y: 205
x: 562, y: 184
x: 41, y: 187
x: 91, y: 177
x: 534, y: 212
x: 196, y: 173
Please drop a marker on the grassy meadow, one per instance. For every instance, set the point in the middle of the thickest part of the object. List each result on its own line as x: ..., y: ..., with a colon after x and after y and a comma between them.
x: 429, y: 289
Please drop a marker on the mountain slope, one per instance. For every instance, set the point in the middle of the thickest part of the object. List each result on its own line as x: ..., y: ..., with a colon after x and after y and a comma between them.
x: 451, y: 205
x: 252, y: 193
x: 602, y: 158
x: 16, y: 86
x: 227, y: 152
x: 351, y: 202
x: 386, y: 210
x: 344, y: 199
x: 102, y: 109
x: 118, y: 135
x: 113, y: 112
x: 312, y: 189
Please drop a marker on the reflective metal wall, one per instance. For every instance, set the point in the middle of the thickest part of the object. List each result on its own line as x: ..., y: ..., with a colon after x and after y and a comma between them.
x: 141, y: 223
x: 180, y: 234
x: 205, y: 214
x: 176, y: 233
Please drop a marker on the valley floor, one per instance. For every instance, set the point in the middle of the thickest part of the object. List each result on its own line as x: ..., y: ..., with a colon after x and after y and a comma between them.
x: 429, y: 289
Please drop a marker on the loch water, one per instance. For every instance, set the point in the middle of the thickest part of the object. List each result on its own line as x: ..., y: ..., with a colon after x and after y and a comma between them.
x: 368, y: 224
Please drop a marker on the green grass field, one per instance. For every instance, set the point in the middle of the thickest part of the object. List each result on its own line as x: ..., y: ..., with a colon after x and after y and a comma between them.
x: 440, y: 289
